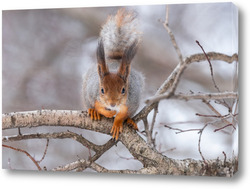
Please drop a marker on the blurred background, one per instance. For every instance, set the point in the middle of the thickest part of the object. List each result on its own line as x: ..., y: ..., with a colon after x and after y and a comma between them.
x: 46, y: 51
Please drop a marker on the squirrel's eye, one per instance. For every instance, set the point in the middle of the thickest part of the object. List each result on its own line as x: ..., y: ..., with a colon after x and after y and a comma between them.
x: 102, y: 90
x: 123, y: 90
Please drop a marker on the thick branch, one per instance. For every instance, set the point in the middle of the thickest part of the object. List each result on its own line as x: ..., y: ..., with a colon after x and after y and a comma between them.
x: 153, y: 162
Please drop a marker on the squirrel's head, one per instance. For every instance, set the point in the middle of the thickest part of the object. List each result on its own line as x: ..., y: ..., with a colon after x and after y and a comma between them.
x: 113, y: 87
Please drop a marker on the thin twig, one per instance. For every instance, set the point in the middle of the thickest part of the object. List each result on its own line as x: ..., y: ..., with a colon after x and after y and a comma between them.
x: 45, y: 152
x: 199, y: 144
x: 210, y: 65
x: 25, y: 152
x: 214, y: 116
x: 182, y: 122
x: 168, y: 150
x: 166, y: 26
x: 214, y: 110
x: 200, y: 131
x: 181, y: 130
x: 212, y: 74
x: 225, y: 127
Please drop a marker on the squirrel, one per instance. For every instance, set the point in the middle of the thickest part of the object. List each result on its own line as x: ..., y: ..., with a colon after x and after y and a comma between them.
x: 113, y: 89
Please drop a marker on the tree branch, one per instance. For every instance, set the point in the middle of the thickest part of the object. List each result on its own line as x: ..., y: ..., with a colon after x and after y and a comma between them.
x: 201, y: 96
x: 25, y: 152
x: 173, y: 40
x: 176, y: 73
x: 153, y: 162
x: 98, y: 168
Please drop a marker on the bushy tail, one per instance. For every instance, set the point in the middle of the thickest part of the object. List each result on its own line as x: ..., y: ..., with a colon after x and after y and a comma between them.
x: 118, y: 33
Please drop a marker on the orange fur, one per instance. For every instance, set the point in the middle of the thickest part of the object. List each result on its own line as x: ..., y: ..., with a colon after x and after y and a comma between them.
x: 122, y: 17
x: 113, y: 87
x: 118, y: 122
x: 112, y: 84
x: 132, y: 123
x: 103, y: 111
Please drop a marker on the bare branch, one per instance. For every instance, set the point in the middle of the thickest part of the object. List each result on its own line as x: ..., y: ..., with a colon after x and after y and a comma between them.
x: 180, y: 130
x: 78, y: 119
x: 204, y: 96
x: 45, y: 152
x: 210, y: 65
x: 199, y: 144
x: 177, y: 49
x: 60, y: 135
x: 225, y: 127
x: 212, y: 56
x: 153, y: 162
x: 215, y: 111
x: 99, y: 149
x: 176, y: 73
x: 25, y: 152
x: 98, y: 168
x: 215, y: 116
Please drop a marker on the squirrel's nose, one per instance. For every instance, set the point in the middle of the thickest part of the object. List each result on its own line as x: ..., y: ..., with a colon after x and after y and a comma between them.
x: 112, y: 104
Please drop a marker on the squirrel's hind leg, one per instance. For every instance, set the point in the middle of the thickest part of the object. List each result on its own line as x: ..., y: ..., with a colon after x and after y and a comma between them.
x: 132, y: 123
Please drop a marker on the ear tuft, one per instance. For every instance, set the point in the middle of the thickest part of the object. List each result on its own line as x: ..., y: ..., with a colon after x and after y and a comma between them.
x: 100, y: 52
x: 128, y: 55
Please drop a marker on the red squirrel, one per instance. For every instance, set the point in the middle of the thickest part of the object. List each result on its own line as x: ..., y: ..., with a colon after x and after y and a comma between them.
x: 113, y: 89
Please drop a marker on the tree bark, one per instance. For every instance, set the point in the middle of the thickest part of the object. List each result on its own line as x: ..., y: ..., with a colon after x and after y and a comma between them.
x: 153, y: 162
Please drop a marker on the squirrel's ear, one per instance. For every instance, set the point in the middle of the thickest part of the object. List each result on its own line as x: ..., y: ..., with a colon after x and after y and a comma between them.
x: 100, y: 54
x: 128, y: 55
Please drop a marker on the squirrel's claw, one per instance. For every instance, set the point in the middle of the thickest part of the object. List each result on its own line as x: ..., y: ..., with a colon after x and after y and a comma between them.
x: 132, y: 123
x: 94, y: 115
x: 116, y: 129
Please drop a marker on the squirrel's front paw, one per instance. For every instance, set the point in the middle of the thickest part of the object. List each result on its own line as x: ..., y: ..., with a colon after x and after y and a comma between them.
x: 116, y: 129
x: 94, y: 115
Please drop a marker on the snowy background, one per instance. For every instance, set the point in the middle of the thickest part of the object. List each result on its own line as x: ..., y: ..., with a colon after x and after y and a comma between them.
x: 45, y: 52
